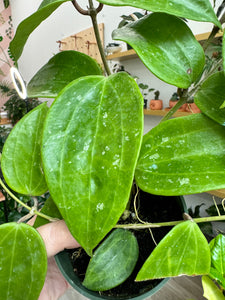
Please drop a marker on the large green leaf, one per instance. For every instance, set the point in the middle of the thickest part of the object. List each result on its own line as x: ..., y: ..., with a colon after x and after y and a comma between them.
x: 21, y: 157
x: 183, y: 251
x: 23, y: 262
x: 199, y: 10
x: 91, y: 142
x: 113, y: 261
x: 211, y: 96
x: 182, y: 156
x: 217, y: 248
x: 166, y: 46
x: 63, y: 68
x: 211, y: 290
x: 27, y: 26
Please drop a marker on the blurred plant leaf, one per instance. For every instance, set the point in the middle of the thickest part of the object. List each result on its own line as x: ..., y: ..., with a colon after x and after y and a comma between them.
x: 62, y: 68
x: 27, y: 26
x: 217, y: 248
x: 199, y: 10
x: 211, y: 96
x: 177, y: 60
x: 211, y: 290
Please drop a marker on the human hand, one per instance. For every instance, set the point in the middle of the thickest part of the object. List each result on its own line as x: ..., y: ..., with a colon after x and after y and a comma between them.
x: 56, y: 237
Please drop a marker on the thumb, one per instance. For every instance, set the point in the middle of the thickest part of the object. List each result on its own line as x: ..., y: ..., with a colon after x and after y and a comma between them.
x: 57, y: 237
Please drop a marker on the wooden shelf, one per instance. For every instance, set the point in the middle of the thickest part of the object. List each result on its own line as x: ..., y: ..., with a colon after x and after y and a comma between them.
x: 163, y: 113
x: 124, y: 55
x: 130, y: 54
x: 4, y: 121
x: 218, y: 193
x: 204, y: 36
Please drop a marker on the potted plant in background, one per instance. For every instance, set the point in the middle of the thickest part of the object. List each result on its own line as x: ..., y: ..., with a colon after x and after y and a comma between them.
x: 89, y: 163
x: 192, y: 107
x: 173, y: 101
x: 156, y: 103
x: 145, y: 91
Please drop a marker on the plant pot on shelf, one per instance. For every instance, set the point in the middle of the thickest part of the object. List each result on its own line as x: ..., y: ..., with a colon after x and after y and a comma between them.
x: 193, y: 108
x: 172, y: 103
x: 74, y: 271
x: 156, y: 104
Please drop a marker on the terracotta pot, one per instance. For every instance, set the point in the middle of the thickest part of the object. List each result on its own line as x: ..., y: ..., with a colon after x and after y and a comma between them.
x: 156, y: 104
x: 192, y: 107
x: 173, y: 103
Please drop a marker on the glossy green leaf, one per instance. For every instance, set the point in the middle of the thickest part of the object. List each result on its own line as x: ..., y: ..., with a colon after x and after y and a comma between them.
x: 91, y: 142
x: 199, y: 10
x: 166, y: 46
x: 23, y: 262
x: 211, y: 290
x: 223, y: 50
x: 63, y: 68
x: 27, y: 26
x: 217, y: 248
x: 182, y: 156
x: 21, y: 157
x: 211, y: 96
x: 183, y: 251
x: 113, y: 261
x: 49, y: 209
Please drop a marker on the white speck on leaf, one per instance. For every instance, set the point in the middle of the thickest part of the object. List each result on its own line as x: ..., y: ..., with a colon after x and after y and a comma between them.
x: 100, y: 206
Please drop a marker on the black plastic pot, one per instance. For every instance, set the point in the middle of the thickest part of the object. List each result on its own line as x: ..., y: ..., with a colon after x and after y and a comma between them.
x: 64, y: 263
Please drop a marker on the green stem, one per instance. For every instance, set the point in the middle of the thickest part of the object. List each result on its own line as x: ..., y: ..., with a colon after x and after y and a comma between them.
x: 35, y: 212
x: 93, y: 15
x: 210, y: 38
x: 172, y: 223
x: 170, y: 113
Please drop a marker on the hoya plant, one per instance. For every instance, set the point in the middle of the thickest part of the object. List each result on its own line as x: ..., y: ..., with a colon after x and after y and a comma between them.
x: 87, y: 149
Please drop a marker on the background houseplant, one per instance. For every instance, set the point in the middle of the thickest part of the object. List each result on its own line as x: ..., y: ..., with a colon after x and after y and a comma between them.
x: 156, y: 103
x: 145, y: 92
x: 91, y: 145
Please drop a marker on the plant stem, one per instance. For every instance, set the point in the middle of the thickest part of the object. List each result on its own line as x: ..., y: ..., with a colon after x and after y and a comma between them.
x: 170, y: 113
x: 93, y: 14
x: 35, y: 212
x: 171, y: 223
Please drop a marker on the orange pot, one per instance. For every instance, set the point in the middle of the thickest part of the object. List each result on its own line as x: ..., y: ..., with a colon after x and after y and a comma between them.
x: 192, y: 107
x: 173, y: 103
x: 156, y: 104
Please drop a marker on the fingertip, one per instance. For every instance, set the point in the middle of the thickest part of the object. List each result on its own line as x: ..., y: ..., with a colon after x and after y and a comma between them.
x: 57, y: 237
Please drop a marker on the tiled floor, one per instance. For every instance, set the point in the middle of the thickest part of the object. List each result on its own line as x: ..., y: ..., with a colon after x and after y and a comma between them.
x: 180, y: 288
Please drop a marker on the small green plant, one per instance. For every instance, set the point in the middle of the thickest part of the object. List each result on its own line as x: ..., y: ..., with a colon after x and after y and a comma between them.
x: 130, y: 18
x: 88, y: 149
x: 174, y: 97
x: 157, y: 93
x: 145, y: 90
